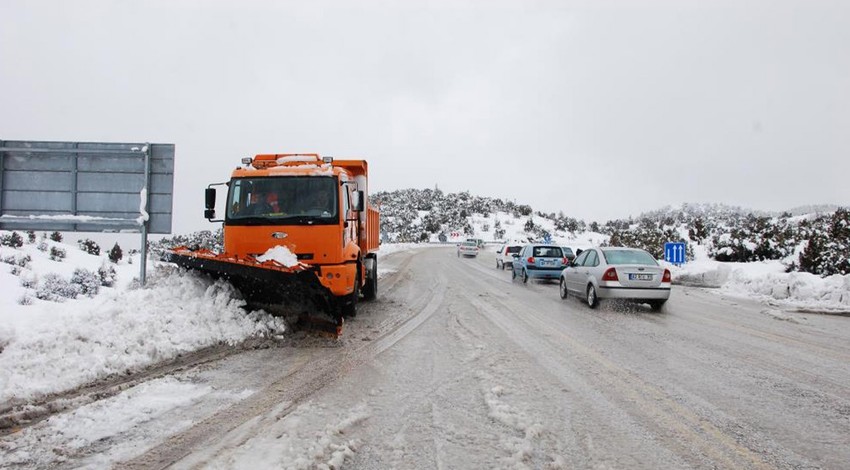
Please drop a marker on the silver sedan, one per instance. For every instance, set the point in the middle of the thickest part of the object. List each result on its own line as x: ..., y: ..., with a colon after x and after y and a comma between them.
x: 616, y: 273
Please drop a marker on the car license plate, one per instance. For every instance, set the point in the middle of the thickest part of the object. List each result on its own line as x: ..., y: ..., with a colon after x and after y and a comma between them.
x: 640, y: 277
x: 546, y: 262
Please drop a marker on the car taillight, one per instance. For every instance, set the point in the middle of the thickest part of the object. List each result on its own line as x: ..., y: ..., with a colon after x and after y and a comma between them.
x: 667, y: 277
x: 531, y: 259
x: 565, y: 261
x: 610, y: 275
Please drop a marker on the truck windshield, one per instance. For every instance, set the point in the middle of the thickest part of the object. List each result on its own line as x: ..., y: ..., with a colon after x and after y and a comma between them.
x: 283, y: 200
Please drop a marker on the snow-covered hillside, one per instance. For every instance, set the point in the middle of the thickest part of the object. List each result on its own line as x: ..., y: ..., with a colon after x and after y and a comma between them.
x: 816, y: 242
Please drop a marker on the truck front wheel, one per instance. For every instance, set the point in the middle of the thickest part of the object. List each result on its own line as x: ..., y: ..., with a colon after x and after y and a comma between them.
x: 349, y: 309
x: 370, y: 289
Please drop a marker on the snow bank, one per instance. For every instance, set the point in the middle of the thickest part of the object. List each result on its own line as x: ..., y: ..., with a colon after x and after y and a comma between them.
x: 768, y: 281
x: 799, y: 290
x: 389, y: 248
x: 91, y: 338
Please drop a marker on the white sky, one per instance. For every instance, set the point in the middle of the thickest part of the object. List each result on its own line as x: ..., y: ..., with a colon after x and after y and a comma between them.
x: 601, y: 109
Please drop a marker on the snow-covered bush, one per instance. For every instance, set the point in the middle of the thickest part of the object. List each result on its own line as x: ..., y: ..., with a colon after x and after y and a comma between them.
x: 55, y: 288
x: 755, y: 238
x: 30, y: 236
x: 57, y: 254
x: 107, y: 275
x: 29, y: 279
x: 56, y: 236
x: 13, y: 239
x: 18, y: 260
x: 648, y: 235
x: 89, y: 246
x: 25, y: 299
x: 42, y: 246
x: 89, y: 281
x: 828, y: 249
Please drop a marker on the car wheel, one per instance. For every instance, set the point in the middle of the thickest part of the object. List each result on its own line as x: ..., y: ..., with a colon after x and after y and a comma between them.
x: 656, y: 305
x: 563, y: 289
x: 513, y: 274
x: 592, y: 300
x: 497, y: 264
x: 524, y: 276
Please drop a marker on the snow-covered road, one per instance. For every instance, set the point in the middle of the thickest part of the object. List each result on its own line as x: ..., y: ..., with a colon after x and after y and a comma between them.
x: 456, y: 366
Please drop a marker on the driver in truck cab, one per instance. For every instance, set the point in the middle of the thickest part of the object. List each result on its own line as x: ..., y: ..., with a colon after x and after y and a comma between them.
x: 261, y: 202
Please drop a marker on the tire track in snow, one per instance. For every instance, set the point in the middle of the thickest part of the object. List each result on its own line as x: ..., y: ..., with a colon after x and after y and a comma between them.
x: 233, y: 426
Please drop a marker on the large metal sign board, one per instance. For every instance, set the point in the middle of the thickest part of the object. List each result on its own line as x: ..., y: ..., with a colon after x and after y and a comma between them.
x: 86, y: 186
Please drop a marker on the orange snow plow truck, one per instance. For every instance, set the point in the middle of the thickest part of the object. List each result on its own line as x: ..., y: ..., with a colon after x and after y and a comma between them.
x: 300, y: 237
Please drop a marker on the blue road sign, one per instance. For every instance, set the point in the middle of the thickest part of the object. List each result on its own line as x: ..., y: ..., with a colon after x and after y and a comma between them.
x: 674, y: 252
x: 547, y: 238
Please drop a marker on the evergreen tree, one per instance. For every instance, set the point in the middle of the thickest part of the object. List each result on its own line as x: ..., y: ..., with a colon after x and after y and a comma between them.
x: 115, y: 254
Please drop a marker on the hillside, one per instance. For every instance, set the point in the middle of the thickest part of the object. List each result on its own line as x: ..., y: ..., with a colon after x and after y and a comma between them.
x: 816, y: 242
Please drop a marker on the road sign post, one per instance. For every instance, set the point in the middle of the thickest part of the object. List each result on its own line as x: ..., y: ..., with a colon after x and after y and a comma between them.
x: 675, y: 253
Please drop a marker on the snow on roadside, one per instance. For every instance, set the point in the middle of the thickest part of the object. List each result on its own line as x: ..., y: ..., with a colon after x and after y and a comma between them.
x: 390, y: 248
x: 311, y: 436
x: 134, y: 419
x: 768, y: 282
x: 87, y: 339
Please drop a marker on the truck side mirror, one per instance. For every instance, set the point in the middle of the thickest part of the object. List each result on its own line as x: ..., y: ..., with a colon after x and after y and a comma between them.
x: 209, y: 196
x: 359, y: 201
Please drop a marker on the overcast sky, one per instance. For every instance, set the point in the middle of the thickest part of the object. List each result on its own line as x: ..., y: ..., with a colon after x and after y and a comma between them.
x: 600, y: 109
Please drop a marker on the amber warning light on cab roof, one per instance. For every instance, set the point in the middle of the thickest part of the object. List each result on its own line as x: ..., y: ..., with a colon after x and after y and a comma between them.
x: 285, y: 159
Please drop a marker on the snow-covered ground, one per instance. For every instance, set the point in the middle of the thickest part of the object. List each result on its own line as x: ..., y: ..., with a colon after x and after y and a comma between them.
x: 49, y: 346
x: 767, y: 281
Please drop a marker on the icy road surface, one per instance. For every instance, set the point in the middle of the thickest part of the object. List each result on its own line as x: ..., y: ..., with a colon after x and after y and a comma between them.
x: 456, y: 366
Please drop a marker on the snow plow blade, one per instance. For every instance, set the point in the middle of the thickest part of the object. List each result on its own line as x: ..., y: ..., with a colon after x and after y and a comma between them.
x: 269, y: 285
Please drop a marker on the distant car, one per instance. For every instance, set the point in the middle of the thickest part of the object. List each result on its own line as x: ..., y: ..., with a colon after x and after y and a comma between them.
x: 467, y: 249
x: 478, y: 241
x: 538, y: 261
x: 568, y: 252
x: 505, y: 255
x: 616, y: 273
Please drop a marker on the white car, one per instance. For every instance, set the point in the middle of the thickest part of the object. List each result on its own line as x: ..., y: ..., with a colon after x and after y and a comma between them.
x: 616, y: 273
x: 469, y: 249
x: 506, y: 255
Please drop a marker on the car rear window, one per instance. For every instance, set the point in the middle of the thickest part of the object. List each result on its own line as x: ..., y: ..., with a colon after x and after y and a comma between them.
x: 629, y: 257
x: 470, y: 244
x: 548, y: 252
x: 513, y: 249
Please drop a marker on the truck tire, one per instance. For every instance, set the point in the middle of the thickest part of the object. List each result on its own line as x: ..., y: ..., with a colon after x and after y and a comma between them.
x: 349, y: 309
x: 370, y: 289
